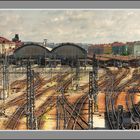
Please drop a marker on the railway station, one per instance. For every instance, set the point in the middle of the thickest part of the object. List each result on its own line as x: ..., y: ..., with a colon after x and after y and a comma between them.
x: 67, y: 89
x: 68, y: 53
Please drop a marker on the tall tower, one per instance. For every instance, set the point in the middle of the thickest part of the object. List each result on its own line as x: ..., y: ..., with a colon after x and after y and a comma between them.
x: 93, y: 91
x: 77, y: 72
x: 31, y: 119
x: 90, y: 101
x: 95, y: 83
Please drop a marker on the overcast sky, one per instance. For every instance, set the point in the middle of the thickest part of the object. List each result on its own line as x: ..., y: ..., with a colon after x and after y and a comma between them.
x: 86, y: 26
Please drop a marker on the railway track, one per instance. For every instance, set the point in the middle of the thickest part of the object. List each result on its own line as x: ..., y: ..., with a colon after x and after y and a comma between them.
x: 132, y: 116
x: 133, y: 109
x: 112, y: 117
x: 72, y: 108
x: 75, y: 120
x: 76, y: 114
x: 38, y: 84
x: 14, y: 119
x: 133, y: 120
x: 111, y: 98
x: 20, y: 84
x: 51, y: 102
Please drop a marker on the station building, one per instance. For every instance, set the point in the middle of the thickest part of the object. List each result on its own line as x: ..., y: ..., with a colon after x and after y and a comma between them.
x: 31, y: 51
x: 69, y: 53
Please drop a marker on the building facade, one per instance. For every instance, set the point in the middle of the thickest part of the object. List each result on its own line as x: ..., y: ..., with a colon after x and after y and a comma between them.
x: 134, y: 48
x: 6, y: 46
x: 119, y: 48
x: 100, y: 49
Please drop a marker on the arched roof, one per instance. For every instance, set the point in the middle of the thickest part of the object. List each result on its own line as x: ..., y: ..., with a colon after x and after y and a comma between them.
x: 34, y: 51
x: 70, y: 51
x: 75, y: 45
x: 26, y: 45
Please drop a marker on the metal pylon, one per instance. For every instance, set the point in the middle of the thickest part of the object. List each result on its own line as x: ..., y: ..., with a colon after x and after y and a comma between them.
x: 58, y: 113
x: 93, y: 91
x: 31, y: 119
x: 95, y: 83
x: 77, y: 73
x: 63, y: 106
x: 90, y: 105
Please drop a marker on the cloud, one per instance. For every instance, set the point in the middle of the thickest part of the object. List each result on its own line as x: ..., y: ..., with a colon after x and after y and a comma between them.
x: 93, y: 26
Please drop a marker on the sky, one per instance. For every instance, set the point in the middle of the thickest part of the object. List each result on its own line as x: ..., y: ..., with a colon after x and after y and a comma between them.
x: 78, y: 26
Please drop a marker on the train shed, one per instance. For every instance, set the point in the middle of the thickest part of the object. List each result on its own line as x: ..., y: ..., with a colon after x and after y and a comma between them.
x: 69, y: 53
x: 31, y: 51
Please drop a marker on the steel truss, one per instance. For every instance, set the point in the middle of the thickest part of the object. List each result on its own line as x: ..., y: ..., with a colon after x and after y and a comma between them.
x: 93, y: 92
x: 77, y: 73
x: 30, y: 112
x: 90, y: 106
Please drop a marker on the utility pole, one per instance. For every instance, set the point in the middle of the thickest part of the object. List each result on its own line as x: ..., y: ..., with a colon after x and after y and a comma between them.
x: 63, y: 106
x: 90, y: 105
x: 93, y: 91
x: 58, y: 113
x: 77, y: 73
x: 31, y: 119
x: 95, y: 83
